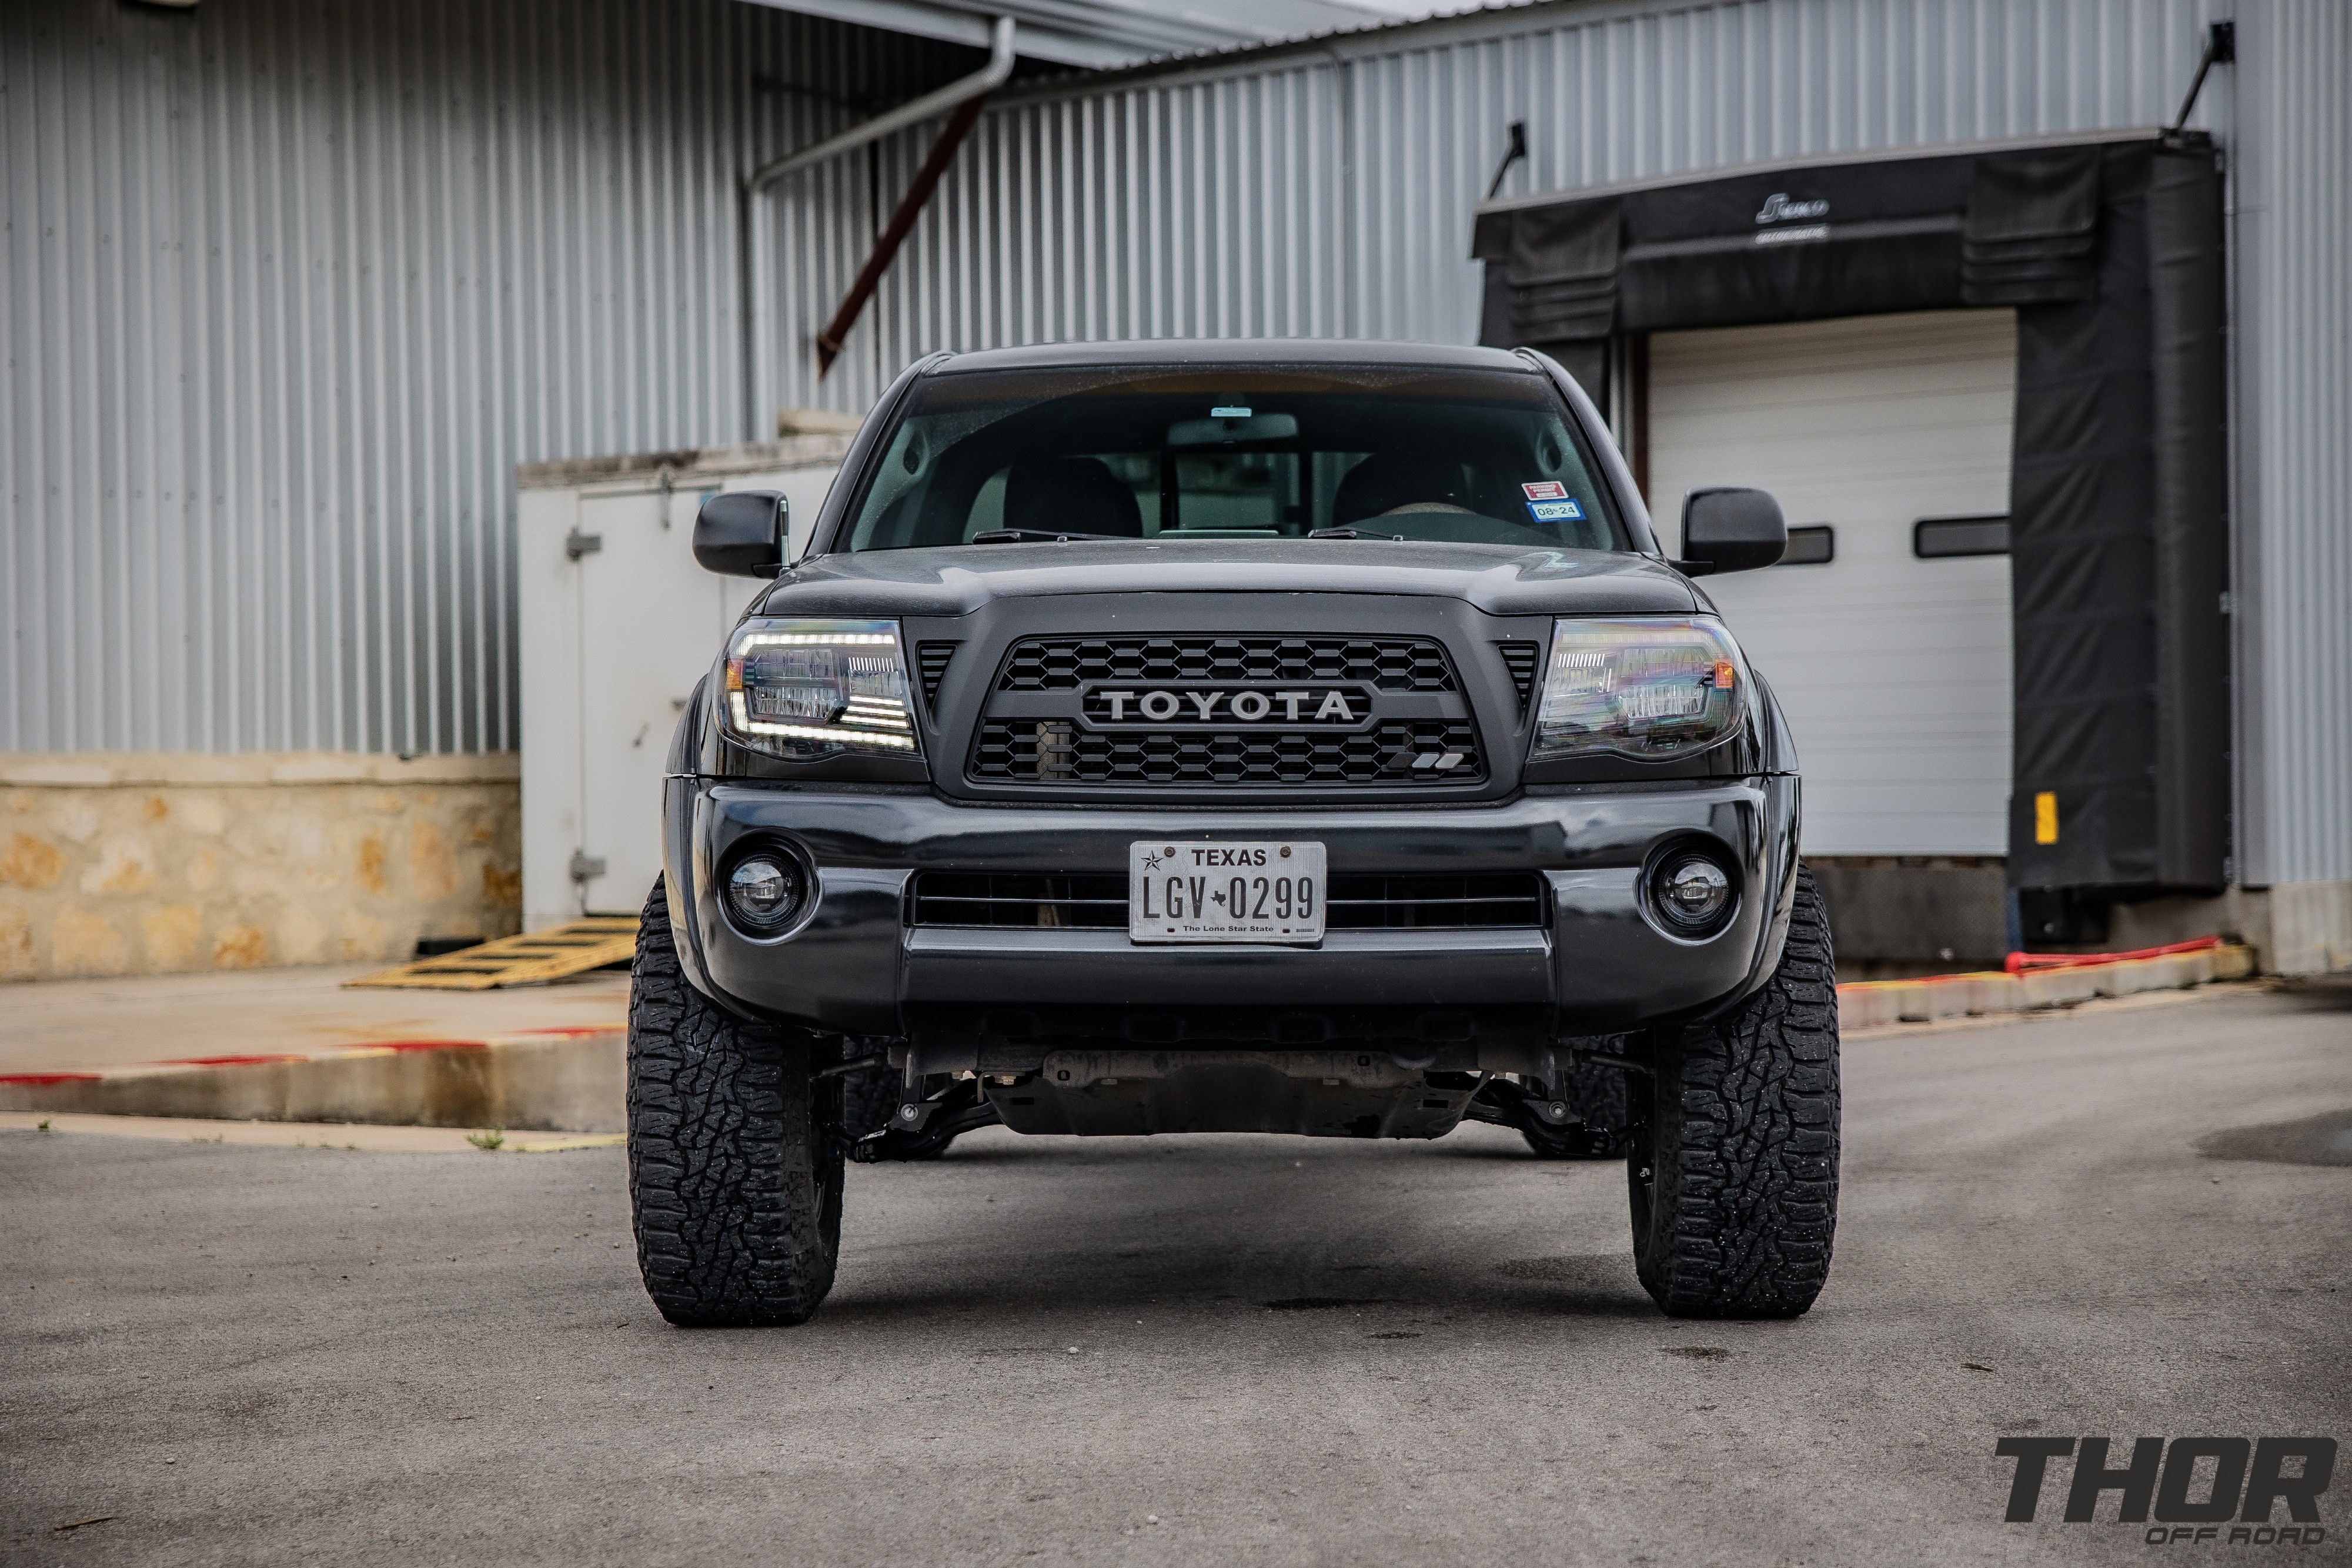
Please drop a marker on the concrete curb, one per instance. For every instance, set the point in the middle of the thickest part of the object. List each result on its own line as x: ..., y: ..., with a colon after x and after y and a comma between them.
x: 341, y: 1136
x: 560, y: 1080
x: 575, y: 1080
x: 1871, y: 1004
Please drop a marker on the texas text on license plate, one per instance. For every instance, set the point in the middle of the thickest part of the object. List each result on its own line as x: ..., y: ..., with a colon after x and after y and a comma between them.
x: 1178, y: 892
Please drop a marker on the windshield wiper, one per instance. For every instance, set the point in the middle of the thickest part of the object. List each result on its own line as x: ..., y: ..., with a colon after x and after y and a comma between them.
x: 1032, y: 536
x: 1349, y: 531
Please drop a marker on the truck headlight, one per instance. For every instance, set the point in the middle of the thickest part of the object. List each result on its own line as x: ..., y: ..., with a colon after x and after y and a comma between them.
x: 1651, y: 689
x: 808, y: 689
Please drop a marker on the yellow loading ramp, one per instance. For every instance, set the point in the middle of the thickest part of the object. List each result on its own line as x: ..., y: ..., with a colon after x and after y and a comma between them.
x: 573, y: 948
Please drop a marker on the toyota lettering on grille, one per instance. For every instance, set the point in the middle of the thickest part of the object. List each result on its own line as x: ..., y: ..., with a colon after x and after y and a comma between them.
x: 1303, y: 706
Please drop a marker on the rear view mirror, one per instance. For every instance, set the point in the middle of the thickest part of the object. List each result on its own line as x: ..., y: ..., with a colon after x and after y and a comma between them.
x: 743, y: 533
x: 1731, y: 530
x: 1229, y: 425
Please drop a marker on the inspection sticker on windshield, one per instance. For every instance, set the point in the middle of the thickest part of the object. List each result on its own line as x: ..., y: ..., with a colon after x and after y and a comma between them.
x: 1554, y: 511
x: 1231, y: 892
x: 1545, y: 490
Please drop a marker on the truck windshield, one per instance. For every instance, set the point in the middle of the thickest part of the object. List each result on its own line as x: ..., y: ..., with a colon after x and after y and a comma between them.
x: 1469, y: 456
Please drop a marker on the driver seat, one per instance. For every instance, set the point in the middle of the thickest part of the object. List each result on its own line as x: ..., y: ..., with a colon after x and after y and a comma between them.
x: 1387, y: 480
x: 1080, y: 494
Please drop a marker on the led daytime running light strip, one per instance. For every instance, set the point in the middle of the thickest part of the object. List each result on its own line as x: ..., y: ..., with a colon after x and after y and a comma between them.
x: 804, y: 639
x: 748, y: 726
x: 875, y: 711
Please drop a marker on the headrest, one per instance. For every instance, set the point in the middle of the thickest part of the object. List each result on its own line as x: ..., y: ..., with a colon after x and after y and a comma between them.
x: 1387, y: 480
x: 1080, y: 494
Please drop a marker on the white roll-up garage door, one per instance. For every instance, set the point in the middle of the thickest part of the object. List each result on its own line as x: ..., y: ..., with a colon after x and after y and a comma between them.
x: 1895, y: 670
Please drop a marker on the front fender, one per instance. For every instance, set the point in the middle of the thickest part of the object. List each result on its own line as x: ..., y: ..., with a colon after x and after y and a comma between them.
x: 680, y: 872
x: 1776, y: 742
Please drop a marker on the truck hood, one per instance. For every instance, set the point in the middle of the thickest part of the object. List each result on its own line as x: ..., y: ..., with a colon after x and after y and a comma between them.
x: 1499, y: 579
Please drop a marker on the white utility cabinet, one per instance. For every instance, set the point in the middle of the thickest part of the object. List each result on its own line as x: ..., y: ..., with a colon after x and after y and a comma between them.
x: 616, y: 623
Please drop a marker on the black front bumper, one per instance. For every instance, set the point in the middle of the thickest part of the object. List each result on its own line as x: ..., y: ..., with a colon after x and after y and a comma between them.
x: 1599, y: 966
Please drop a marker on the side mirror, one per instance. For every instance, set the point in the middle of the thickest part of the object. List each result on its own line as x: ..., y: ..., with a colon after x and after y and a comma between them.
x: 1731, y: 530
x: 743, y: 533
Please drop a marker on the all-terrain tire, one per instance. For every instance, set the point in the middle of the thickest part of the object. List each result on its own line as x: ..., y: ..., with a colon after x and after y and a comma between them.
x: 870, y: 1099
x: 1734, y: 1165
x: 1598, y: 1097
x: 735, y: 1165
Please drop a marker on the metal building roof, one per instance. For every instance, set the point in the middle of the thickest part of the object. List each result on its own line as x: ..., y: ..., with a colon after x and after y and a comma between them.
x: 1101, y: 34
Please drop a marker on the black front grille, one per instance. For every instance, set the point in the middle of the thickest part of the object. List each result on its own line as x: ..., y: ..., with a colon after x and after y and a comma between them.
x: 1476, y: 900
x: 1386, y: 664
x: 984, y: 898
x: 1489, y: 901
x: 1052, y: 717
x: 1058, y: 752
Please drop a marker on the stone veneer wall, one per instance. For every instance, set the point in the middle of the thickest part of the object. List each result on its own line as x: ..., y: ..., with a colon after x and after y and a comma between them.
x: 141, y: 865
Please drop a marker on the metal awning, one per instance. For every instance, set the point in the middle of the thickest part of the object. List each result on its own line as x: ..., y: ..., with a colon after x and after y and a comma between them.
x: 1104, y: 33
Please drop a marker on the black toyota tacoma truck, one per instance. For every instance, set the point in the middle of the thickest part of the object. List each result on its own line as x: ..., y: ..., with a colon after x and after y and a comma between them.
x: 1298, y: 738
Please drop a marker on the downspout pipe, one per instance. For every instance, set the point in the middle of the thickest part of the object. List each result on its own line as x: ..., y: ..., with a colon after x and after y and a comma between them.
x: 957, y: 93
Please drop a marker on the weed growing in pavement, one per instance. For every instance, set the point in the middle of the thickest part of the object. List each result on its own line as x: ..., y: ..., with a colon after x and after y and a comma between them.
x: 494, y: 1138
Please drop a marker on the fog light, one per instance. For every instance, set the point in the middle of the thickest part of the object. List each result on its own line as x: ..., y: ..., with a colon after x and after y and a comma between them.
x: 764, y: 892
x: 1691, y: 894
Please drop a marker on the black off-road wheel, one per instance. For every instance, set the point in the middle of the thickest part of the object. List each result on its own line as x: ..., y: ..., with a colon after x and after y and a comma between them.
x: 1734, y: 1163
x: 735, y: 1161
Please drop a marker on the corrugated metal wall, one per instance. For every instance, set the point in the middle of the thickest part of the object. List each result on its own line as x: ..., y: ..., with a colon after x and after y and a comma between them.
x: 1329, y: 190
x: 293, y: 283
x: 292, y: 286
x: 2293, y: 285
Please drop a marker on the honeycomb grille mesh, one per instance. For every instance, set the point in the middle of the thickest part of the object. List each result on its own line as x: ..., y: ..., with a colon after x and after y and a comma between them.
x: 1385, y: 663
x: 1040, y: 746
x: 1028, y: 752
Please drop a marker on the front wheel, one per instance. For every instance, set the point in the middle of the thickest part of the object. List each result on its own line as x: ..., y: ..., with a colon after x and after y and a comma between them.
x: 1733, y: 1168
x: 735, y: 1161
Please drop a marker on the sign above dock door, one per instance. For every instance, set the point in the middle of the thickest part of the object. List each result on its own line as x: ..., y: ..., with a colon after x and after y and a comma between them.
x: 1894, y: 670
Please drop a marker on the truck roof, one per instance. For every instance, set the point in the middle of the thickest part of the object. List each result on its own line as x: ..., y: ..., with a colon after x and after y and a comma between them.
x: 1232, y: 351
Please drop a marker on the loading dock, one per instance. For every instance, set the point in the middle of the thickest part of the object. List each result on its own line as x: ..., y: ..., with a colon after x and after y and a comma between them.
x: 2107, y: 256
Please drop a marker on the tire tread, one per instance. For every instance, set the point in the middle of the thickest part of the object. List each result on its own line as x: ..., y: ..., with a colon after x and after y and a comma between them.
x: 728, y: 1166
x: 1743, y: 1209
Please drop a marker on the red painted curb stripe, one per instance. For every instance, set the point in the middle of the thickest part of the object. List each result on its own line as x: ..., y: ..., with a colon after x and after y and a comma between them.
x: 2020, y: 962
x: 228, y: 1061
x: 40, y: 1079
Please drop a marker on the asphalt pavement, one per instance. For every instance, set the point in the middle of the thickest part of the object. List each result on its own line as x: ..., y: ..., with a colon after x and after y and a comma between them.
x: 2129, y: 1220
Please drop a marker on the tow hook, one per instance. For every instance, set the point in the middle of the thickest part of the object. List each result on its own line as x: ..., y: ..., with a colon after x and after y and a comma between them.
x: 1503, y: 1103
x: 922, y: 1127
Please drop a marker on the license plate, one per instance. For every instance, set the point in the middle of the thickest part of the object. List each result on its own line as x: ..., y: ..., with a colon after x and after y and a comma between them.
x: 1179, y: 892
